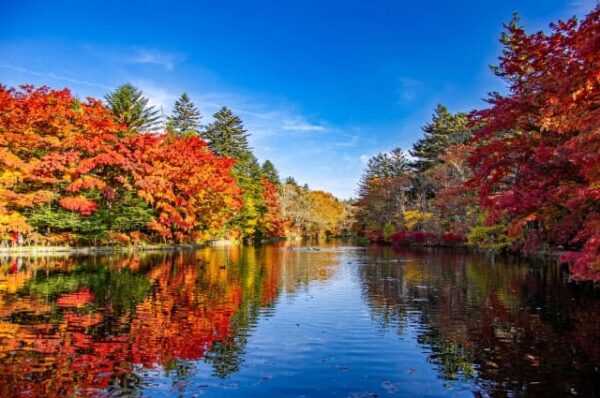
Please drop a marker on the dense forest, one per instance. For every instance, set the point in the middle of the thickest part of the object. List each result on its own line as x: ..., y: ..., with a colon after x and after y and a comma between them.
x: 116, y: 172
x: 522, y: 174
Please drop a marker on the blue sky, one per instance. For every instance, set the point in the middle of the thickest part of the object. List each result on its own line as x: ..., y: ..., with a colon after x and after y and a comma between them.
x: 321, y: 85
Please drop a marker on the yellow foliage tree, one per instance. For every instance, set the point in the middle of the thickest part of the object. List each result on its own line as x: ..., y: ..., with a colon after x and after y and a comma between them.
x: 414, y: 219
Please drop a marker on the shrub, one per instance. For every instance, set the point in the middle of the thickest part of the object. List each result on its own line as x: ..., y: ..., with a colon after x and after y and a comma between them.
x: 388, y: 230
x: 452, y: 238
x: 377, y: 237
x: 493, y: 238
x: 361, y: 241
x: 422, y: 236
x: 408, y: 237
x: 400, y: 237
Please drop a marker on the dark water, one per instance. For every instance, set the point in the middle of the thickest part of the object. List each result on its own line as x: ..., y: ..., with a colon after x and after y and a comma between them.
x: 261, y: 322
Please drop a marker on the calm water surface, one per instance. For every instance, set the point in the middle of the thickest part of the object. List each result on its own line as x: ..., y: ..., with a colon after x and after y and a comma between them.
x: 337, y: 321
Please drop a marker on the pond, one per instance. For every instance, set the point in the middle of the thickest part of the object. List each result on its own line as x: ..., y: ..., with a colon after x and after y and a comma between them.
x: 330, y: 320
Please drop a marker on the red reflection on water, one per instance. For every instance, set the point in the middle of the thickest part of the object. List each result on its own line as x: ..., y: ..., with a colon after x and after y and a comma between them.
x: 69, y: 346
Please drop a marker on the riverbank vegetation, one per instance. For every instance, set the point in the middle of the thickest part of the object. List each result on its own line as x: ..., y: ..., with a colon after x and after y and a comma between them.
x: 87, y: 172
x: 521, y: 174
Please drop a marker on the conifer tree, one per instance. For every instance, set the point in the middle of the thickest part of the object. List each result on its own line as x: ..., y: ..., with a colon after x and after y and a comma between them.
x: 290, y: 181
x: 444, y: 131
x: 392, y: 164
x: 270, y: 172
x: 185, y: 118
x: 383, y: 188
x: 226, y: 136
x: 398, y: 164
x: 130, y: 108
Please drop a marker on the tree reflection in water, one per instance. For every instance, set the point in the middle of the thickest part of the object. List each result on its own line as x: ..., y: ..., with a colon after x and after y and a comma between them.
x: 77, y: 325
x: 118, y: 325
x: 512, y: 329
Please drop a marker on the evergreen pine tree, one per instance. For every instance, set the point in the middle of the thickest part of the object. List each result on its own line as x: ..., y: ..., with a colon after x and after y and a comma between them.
x: 185, y: 117
x: 383, y: 165
x: 290, y: 181
x: 130, y: 108
x: 226, y: 136
x: 383, y: 188
x: 270, y: 172
x: 398, y: 163
x: 444, y: 131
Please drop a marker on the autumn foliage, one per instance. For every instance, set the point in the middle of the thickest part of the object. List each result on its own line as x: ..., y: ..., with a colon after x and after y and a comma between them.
x: 68, y: 170
x: 271, y: 223
x: 191, y: 189
x: 522, y: 174
x: 537, y: 160
x: 47, y: 139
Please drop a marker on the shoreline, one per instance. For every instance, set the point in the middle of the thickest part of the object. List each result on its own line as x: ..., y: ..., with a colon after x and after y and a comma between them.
x: 36, y: 250
x: 23, y: 251
x: 550, y: 254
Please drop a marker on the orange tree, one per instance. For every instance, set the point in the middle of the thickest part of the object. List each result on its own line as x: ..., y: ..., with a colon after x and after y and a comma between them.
x: 190, y: 187
x: 270, y: 224
x: 53, y: 152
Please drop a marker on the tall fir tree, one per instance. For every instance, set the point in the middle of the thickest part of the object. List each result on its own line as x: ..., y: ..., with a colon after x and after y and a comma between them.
x: 185, y: 118
x: 384, y: 165
x: 270, y: 172
x: 398, y: 164
x: 130, y: 108
x: 444, y: 131
x: 290, y: 181
x: 226, y: 136
x: 383, y: 189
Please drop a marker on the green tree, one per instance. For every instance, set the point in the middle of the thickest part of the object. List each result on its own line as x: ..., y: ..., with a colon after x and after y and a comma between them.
x: 185, y: 118
x: 291, y: 181
x: 270, y: 172
x: 248, y: 175
x: 391, y: 164
x: 444, y: 130
x: 398, y: 164
x: 130, y: 108
x: 126, y: 214
x: 490, y: 237
x: 226, y: 136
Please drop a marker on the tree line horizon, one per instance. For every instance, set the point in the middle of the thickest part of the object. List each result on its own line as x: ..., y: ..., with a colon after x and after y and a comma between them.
x: 522, y: 174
